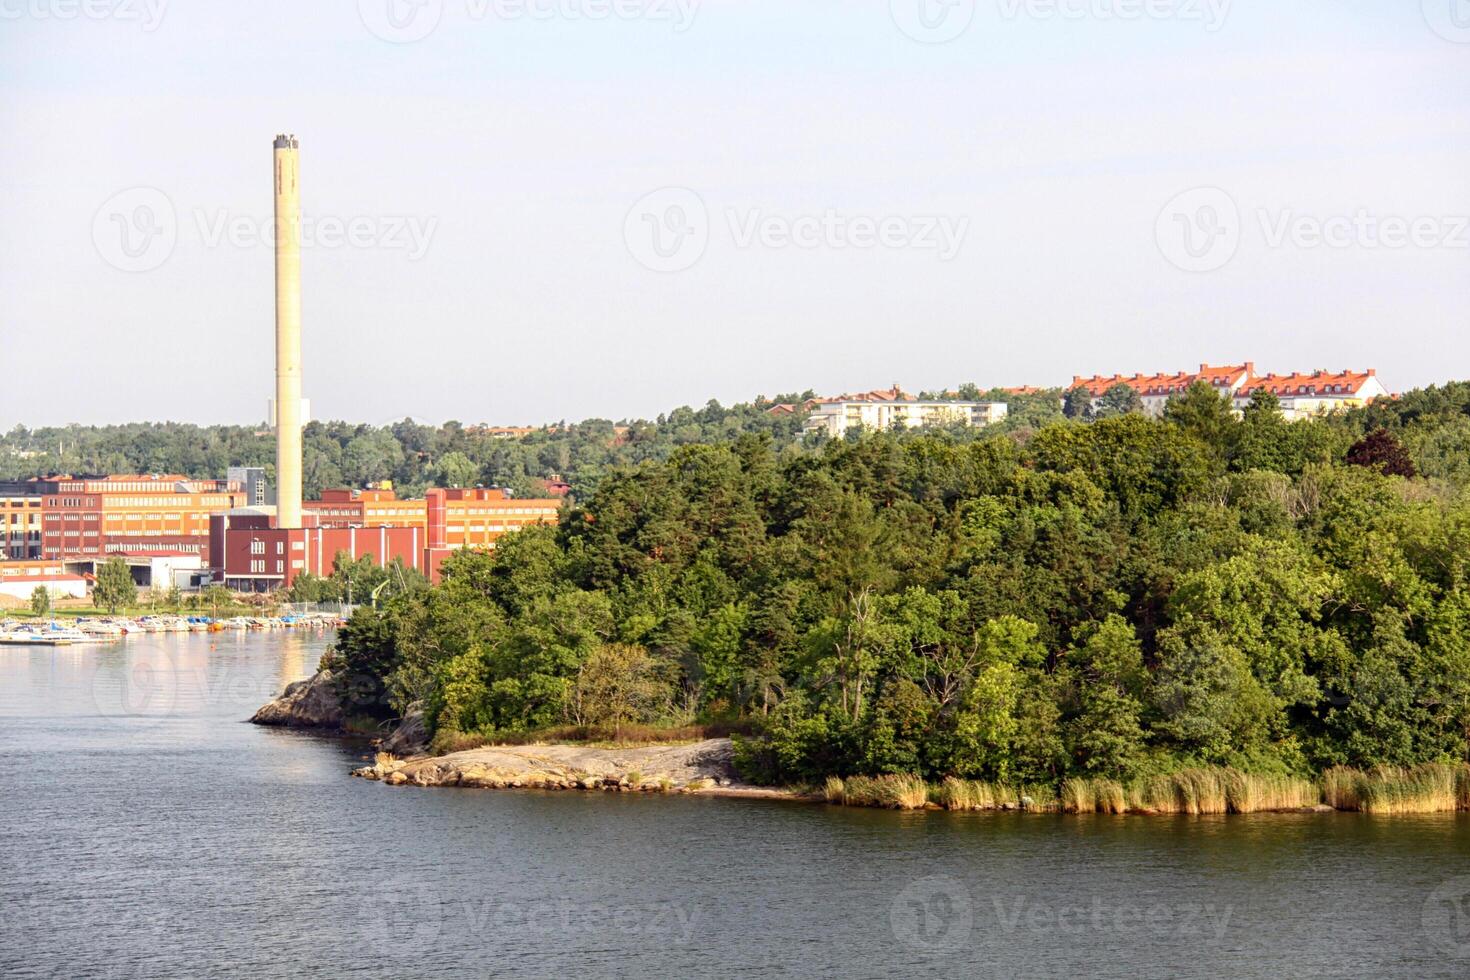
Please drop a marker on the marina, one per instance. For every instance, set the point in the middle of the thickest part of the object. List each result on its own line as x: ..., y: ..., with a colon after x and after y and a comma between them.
x: 71, y: 631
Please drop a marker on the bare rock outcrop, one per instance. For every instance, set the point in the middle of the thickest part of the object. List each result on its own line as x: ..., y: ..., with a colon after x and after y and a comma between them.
x: 699, y: 767
x: 411, y: 737
x: 311, y: 703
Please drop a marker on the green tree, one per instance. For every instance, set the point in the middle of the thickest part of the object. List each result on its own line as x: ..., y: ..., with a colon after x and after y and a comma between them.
x: 455, y: 469
x: 114, y: 588
x: 1120, y: 399
x: 40, y: 600
x: 618, y: 684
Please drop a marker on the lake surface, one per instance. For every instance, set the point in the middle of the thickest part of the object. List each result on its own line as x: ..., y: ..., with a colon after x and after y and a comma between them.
x: 146, y: 831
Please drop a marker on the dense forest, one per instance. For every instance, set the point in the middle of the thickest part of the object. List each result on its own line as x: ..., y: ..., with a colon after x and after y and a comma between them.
x: 1116, y: 597
x: 414, y: 456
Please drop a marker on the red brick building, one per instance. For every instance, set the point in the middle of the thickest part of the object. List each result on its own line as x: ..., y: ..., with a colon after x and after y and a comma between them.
x: 251, y: 554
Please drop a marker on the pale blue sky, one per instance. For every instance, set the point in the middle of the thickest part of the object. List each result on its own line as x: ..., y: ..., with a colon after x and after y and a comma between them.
x: 492, y: 165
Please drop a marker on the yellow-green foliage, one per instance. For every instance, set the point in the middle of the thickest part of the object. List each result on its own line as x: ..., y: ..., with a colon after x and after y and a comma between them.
x: 833, y: 790
x: 1094, y: 796
x: 1202, y: 791
x: 896, y: 792
x: 968, y: 794
x: 1430, y: 788
x: 1247, y: 793
x: 1342, y: 788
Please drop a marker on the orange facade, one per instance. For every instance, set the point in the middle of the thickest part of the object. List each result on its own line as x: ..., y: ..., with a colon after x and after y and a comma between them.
x: 475, y: 518
x: 131, y: 513
x: 471, y: 518
x: 20, y: 527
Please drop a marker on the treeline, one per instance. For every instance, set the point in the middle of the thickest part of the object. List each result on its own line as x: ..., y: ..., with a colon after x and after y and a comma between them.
x: 1108, y: 599
x: 415, y: 456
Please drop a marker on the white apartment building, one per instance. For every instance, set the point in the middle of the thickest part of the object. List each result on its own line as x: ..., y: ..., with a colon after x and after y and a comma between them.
x: 836, y: 417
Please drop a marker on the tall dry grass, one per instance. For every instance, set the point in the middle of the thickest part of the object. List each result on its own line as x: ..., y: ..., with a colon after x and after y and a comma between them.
x: 894, y: 792
x: 1430, y: 788
x: 1094, y: 796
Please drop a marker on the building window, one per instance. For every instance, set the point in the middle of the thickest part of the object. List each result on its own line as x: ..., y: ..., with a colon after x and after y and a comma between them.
x: 257, y: 547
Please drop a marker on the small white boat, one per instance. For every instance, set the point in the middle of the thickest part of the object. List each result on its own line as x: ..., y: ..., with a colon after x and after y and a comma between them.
x: 104, y: 629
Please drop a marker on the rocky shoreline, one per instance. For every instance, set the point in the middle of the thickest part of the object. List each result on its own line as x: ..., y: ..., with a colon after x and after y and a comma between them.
x: 311, y: 703
x: 701, y: 767
x: 705, y: 767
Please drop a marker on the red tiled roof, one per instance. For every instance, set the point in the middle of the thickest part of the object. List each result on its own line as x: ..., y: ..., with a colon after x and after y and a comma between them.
x: 1165, y: 384
x: 1317, y: 383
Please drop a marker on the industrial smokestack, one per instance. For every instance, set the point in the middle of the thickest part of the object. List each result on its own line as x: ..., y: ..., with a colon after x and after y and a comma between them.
x: 288, y: 334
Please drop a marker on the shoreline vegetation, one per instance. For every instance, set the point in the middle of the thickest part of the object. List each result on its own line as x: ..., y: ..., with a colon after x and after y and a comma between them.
x: 1432, y: 788
x: 705, y: 768
x: 1203, y: 611
x: 694, y: 760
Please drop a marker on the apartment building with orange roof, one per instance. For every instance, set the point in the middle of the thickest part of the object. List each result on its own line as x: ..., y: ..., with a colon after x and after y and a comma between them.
x: 1155, y: 390
x: 1308, y: 395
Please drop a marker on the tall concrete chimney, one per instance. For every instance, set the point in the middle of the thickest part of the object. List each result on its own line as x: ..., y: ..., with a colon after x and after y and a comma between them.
x: 288, y: 333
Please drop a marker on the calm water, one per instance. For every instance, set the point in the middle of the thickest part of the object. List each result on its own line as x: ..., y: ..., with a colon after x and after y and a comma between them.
x: 148, y: 832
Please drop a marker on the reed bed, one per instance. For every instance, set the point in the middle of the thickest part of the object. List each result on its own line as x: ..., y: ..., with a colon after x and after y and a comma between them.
x: 971, y: 794
x: 893, y: 792
x: 1094, y: 796
x: 1430, y: 788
